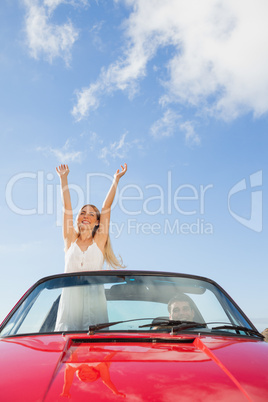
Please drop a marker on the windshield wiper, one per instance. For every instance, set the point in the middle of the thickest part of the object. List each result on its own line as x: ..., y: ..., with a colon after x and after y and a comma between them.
x: 239, y: 328
x: 93, y: 328
x: 174, y: 325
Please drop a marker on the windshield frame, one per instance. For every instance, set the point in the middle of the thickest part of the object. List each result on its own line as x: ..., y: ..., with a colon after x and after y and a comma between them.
x: 128, y: 273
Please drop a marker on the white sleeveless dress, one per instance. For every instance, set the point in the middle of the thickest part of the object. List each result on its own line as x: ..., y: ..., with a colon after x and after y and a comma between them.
x: 77, y: 260
x: 82, y: 306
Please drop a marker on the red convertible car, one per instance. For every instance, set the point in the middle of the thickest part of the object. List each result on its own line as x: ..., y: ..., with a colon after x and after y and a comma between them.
x: 133, y: 335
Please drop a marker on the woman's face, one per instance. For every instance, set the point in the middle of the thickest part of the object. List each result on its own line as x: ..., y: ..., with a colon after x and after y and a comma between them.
x: 87, y: 219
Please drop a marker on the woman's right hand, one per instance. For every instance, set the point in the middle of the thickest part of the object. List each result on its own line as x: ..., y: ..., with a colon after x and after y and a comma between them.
x: 63, y: 171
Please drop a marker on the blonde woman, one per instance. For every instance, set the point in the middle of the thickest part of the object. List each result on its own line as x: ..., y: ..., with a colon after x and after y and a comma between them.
x: 87, y: 247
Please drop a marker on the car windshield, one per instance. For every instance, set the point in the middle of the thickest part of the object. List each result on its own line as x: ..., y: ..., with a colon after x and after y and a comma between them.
x: 135, y: 301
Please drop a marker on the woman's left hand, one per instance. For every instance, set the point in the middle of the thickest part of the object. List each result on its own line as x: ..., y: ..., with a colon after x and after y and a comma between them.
x: 265, y: 334
x: 119, y: 174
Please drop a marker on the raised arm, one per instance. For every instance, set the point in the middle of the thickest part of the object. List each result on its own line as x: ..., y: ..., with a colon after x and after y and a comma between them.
x: 111, y: 193
x: 103, y: 231
x: 68, y: 229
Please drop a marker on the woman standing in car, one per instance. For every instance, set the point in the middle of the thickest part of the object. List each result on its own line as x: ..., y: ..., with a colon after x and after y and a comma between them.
x: 91, y: 234
x: 87, y: 247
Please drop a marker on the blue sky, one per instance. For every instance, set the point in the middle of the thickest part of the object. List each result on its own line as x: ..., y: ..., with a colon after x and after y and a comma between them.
x: 179, y: 91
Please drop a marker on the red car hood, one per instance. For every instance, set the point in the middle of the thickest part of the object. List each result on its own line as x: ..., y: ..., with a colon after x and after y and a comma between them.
x: 137, y: 367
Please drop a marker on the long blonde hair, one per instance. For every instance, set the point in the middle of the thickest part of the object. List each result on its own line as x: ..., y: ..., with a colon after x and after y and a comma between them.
x: 108, y: 254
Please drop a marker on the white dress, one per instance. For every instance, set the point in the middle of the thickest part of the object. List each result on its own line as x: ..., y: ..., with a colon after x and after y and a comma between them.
x: 77, y: 260
x: 82, y: 306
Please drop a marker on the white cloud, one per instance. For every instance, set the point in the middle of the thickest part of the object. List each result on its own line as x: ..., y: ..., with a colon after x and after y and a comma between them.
x: 219, y: 61
x: 92, y: 139
x: 118, y: 149
x: 166, y: 126
x: 191, y: 137
x: 171, y: 123
x: 53, y: 4
x: 45, y: 38
x: 64, y: 154
x: 96, y: 37
x: 86, y: 100
x: 92, y: 142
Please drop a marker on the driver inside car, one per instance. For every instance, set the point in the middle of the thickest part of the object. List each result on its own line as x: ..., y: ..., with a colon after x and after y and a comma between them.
x: 181, y: 308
